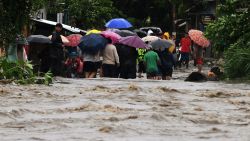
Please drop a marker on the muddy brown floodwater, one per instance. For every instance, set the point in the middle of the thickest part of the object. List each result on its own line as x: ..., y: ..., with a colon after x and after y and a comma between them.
x: 125, y: 110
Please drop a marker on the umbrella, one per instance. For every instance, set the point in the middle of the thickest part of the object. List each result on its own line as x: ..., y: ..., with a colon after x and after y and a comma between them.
x: 118, y: 23
x: 111, y: 35
x: 161, y: 44
x: 38, y: 39
x: 140, y: 33
x: 94, y: 31
x: 155, y: 30
x: 198, y: 37
x: 133, y: 41
x: 124, y: 33
x: 64, y: 39
x: 92, y: 43
x: 150, y: 38
x: 74, y: 40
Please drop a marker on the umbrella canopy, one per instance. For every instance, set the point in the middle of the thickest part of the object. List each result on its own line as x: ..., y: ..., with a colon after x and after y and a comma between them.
x: 140, y: 33
x: 150, y: 38
x: 64, y: 39
x: 133, y: 41
x: 118, y: 23
x: 199, y: 38
x: 161, y: 44
x: 94, y: 31
x: 92, y: 43
x: 38, y: 39
x: 124, y: 33
x: 155, y: 30
x: 74, y: 40
x: 111, y: 35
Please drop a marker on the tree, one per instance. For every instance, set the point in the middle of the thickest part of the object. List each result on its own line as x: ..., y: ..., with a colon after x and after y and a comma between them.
x: 230, y: 34
x: 91, y: 13
x: 14, y: 15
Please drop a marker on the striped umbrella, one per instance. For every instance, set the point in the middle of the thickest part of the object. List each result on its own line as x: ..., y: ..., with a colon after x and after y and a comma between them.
x: 199, y: 38
x: 74, y: 40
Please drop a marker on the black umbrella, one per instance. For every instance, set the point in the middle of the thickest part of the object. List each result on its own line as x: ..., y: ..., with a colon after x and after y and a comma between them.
x: 38, y: 39
x: 161, y: 44
x: 140, y: 33
x: 124, y: 33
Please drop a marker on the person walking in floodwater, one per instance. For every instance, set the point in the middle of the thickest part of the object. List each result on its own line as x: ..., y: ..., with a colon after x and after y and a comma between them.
x: 151, y: 61
x: 198, y: 56
x: 185, y: 50
x: 141, y: 66
x: 110, y: 60
x: 91, y: 64
x: 56, y: 51
x: 167, y: 64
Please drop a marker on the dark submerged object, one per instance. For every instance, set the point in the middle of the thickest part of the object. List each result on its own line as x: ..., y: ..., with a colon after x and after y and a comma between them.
x: 196, y: 77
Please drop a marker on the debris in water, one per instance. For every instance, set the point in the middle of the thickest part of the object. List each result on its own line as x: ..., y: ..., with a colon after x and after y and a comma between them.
x: 106, y: 129
x: 133, y: 87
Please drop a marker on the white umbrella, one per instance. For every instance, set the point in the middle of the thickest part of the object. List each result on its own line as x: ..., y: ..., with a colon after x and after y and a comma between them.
x: 150, y: 38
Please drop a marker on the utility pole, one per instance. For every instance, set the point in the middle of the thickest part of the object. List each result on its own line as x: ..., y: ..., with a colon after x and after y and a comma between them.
x: 66, y: 12
x: 174, y: 16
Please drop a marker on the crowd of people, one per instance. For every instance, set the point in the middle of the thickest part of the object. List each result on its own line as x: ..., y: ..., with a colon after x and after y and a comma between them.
x: 121, y: 61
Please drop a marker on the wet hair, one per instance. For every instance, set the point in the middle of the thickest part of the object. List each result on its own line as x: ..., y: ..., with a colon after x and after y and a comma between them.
x: 109, y: 41
x: 59, y: 25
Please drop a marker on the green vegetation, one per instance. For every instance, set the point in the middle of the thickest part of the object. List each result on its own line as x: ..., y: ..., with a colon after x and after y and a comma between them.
x: 21, y: 72
x: 15, y: 15
x: 230, y: 35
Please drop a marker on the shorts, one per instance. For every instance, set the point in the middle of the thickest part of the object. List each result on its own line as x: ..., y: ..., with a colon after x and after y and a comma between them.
x: 199, y: 61
x: 184, y: 56
x: 152, y: 74
x: 167, y: 72
x: 142, y: 68
x: 91, y: 66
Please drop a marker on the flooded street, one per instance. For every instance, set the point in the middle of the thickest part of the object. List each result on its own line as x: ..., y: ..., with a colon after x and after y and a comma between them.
x: 125, y: 110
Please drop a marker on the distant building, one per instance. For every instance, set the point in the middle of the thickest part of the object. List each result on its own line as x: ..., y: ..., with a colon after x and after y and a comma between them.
x: 201, y: 14
x: 41, y: 14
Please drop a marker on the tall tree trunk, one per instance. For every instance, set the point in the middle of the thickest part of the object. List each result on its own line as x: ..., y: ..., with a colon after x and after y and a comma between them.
x: 174, y: 16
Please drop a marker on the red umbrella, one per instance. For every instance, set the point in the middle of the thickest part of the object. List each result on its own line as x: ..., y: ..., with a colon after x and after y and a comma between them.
x: 199, y: 38
x: 74, y: 40
x: 111, y: 35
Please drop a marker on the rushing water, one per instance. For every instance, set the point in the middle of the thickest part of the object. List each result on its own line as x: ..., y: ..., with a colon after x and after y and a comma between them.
x: 125, y: 110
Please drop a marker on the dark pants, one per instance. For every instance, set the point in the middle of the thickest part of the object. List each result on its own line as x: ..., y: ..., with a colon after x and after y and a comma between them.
x: 128, y: 71
x: 184, y: 58
x: 56, y: 66
x: 142, y: 68
x: 56, y: 60
x: 109, y: 70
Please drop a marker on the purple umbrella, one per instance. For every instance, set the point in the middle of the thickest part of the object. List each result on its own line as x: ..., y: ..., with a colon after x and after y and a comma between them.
x: 133, y: 41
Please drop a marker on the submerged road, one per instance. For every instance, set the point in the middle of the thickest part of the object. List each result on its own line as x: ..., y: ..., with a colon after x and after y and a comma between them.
x: 125, y: 110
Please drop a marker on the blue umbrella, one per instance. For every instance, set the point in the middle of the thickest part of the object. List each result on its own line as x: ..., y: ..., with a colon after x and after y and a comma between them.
x: 118, y: 23
x: 92, y: 43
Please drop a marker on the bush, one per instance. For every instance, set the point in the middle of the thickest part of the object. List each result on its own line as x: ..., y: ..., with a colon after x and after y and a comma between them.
x: 230, y: 35
x: 237, y: 63
x: 21, y: 72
